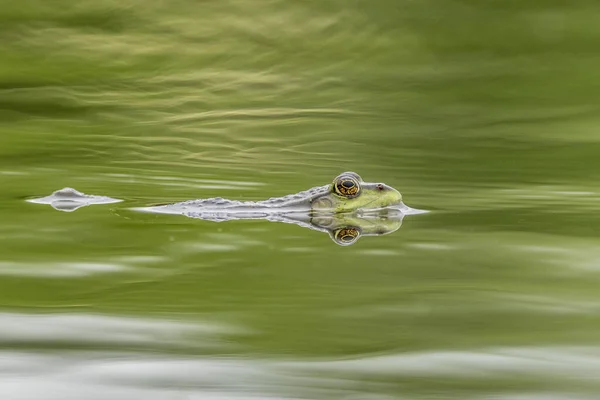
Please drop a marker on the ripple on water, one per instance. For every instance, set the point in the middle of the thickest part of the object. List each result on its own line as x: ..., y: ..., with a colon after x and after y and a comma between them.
x: 60, y: 270
x: 578, y: 363
x: 140, y: 259
x: 97, y: 375
x: 209, y: 247
x: 380, y: 252
x: 181, y: 182
x: 561, y: 198
x: 98, y: 329
x: 13, y: 173
x: 216, y: 243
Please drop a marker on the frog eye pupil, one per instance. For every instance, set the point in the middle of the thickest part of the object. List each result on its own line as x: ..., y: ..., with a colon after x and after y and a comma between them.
x: 347, y: 187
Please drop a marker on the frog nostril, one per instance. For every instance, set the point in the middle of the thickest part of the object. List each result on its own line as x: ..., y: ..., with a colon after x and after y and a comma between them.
x: 380, y: 186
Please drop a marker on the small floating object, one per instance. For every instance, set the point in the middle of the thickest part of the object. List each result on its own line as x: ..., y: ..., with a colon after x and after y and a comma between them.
x: 69, y: 199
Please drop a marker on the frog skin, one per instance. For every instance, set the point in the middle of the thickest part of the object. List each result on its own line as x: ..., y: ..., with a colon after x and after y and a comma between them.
x: 347, y: 193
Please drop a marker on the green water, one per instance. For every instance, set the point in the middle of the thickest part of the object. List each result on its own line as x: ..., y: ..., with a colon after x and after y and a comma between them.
x: 485, y: 113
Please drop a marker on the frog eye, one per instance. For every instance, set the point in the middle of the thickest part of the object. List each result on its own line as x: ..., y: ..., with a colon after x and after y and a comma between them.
x: 346, y: 186
x: 346, y: 236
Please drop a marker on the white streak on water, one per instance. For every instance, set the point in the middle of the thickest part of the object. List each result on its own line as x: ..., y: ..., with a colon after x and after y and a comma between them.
x: 97, y: 329
x: 60, y: 270
x: 108, y: 375
x: 151, y: 373
x: 579, y: 363
x: 13, y: 173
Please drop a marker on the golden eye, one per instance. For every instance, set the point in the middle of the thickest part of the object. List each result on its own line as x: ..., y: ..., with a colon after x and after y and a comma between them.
x: 347, y: 186
x: 346, y: 236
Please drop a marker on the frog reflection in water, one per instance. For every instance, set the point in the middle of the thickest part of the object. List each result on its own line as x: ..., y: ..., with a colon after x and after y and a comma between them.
x: 347, y: 208
x: 345, y: 229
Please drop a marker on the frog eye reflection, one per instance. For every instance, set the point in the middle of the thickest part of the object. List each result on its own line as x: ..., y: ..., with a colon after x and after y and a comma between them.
x: 346, y: 236
x: 347, y: 186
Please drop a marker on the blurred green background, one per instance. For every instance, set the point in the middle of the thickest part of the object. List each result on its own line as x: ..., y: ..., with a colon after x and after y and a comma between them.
x: 484, y: 112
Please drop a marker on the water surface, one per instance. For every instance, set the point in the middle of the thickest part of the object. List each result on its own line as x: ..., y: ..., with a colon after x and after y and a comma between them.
x: 484, y: 113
